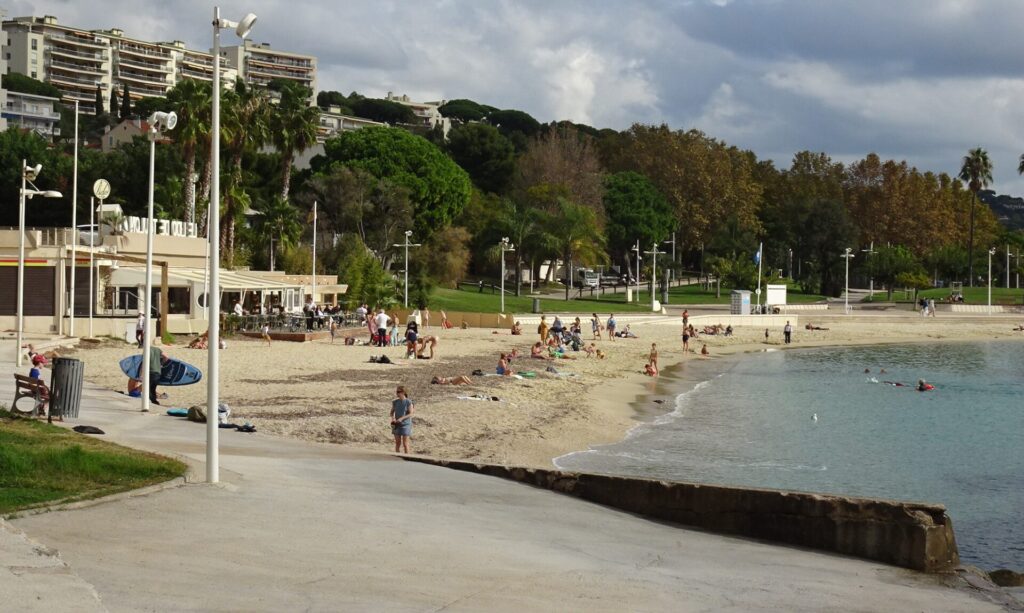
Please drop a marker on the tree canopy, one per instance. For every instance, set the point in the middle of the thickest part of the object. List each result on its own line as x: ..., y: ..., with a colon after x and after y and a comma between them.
x: 485, y: 154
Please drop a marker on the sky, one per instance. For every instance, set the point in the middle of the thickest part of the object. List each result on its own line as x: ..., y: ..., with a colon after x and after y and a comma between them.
x: 920, y: 80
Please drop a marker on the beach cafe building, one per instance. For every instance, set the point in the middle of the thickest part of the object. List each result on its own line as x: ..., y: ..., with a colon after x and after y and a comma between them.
x: 118, y: 275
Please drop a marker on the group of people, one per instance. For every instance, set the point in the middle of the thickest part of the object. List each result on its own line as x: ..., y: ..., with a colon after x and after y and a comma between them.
x: 927, y: 306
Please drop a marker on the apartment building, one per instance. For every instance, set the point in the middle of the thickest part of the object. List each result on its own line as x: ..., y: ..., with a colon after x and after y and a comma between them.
x: 41, y: 114
x: 427, y: 113
x: 333, y: 122
x: 78, y: 62
x: 259, y: 64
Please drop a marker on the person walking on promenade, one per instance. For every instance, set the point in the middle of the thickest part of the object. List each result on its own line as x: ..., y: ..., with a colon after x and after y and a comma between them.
x: 401, y: 419
x: 788, y: 332
x: 140, y: 328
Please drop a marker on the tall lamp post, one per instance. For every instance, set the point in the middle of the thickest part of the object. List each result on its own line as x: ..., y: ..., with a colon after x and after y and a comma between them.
x: 673, y: 241
x: 846, y: 293
x: 28, y: 175
x: 158, y: 123
x: 407, y: 244
x: 505, y: 248
x: 101, y: 190
x: 871, y: 288
x: 636, y: 248
x: 654, y: 271
x: 74, y: 227
x: 991, y: 252
x: 242, y: 29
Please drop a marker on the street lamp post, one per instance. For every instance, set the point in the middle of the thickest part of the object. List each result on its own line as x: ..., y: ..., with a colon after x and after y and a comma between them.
x: 27, y: 176
x: 673, y: 241
x: 1007, y: 266
x: 158, y: 122
x: 636, y: 248
x: 871, y: 288
x: 846, y: 294
x: 74, y: 226
x: 242, y: 29
x: 654, y: 270
x: 991, y: 252
x: 505, y: 248
x: 407, y: 244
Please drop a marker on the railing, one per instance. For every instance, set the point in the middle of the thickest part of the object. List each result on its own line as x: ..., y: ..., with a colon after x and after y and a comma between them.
x: 195, y: 74
x: 74, y: 80
x: 282, y: 62
x: 102, y: 57
x: 198, y: 62
x: 70, y: 66
x: 20, y: 109
x: 145, y: 52
x: 76, y: 40
x: 144, y: 65
x: 282, y: 73
x: 150, y: 79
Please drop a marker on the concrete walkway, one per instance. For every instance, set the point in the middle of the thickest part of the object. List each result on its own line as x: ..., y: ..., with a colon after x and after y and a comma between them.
x: 299, y: 526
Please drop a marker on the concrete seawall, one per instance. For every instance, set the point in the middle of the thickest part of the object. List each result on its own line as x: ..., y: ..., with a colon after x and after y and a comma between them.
x: 911, y: 535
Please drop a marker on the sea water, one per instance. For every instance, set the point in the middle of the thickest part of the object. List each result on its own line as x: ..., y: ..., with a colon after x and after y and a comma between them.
x: 813, y: 420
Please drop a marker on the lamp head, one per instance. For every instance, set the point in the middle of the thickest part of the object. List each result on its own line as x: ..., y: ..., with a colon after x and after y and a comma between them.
x: 992, y: 251
x: 31, y: 172
x: 52, y: 193
x: 245, y: 26
x: 163, y: 121
x: 408, y: 232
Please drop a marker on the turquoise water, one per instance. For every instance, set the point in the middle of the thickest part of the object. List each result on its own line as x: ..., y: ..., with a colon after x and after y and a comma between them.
x: 752, y: 423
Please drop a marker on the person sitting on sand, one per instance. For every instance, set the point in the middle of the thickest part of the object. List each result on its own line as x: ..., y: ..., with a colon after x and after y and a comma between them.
x: 517, y: 329
x: 456, y: 380
x: 650, y: 370
x: 504, y: 368
x: 200, y: 342
x: 704, y: 350
x: 728, y: 330
x: 134, y: 388
x: 537, y: 351
x: 813, y: 327
x: 627, y: 333
x: 1019, y: 328
x: 600, y: 354
x: 423, y: 342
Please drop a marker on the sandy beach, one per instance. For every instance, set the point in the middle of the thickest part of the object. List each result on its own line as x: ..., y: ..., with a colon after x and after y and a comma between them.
x: 332, y: 393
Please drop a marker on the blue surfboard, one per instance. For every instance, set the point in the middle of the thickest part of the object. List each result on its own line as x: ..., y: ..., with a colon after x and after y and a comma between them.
x: 174, y: 372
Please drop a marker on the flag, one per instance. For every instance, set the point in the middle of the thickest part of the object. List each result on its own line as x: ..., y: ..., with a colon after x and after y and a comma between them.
x: 757, y: 256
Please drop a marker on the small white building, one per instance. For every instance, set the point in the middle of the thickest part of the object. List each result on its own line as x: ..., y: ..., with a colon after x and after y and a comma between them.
x: 428, y: 113
x: 40, y: 114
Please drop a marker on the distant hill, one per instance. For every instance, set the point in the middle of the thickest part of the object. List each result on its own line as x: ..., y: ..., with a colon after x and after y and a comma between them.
x: 1008, y: 209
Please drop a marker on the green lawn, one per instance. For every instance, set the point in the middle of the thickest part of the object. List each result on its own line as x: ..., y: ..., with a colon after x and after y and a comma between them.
x: 976, y: 295
x: 40, y: 464
x: 475, y: 302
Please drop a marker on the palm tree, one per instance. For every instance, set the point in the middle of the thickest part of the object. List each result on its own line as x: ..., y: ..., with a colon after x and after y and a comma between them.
x: 575, y: 233
x: 280, y: 220
x: 191, y: 100
x: 293, y: 129
x: 244, y: 128
x: 976, y: 171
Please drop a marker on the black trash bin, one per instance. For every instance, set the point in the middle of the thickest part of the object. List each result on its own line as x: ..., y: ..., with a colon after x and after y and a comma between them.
x: 66, y: 387
x: 536, y: 305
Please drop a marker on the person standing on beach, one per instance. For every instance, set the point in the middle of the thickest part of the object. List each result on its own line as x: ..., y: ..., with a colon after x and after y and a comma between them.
x: 382, y: 327
x: 654, y: 355
x: 686, y: 317
x: 595, y: 326
x: 265, y: 333
x: 766, y: 335
x: 787, y: 331
x: 401, y: 419
x: 931, y: 307
x: 542, y: 329
x: 611, y: 326
x: 686, y: 340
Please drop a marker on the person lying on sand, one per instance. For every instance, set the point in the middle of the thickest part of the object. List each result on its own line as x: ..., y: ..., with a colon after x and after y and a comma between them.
x: 813, y: 327
x: 456, y: 380
x: 1019, y: 328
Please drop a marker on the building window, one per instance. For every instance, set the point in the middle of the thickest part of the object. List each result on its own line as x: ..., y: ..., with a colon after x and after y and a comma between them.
x: 34, y: 75
x: 34, y: 44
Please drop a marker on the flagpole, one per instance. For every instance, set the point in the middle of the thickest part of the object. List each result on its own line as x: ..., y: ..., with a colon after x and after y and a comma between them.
x: 314, y: 253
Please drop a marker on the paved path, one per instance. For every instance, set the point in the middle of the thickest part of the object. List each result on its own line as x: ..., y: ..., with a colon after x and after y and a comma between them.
x: 299, y: 526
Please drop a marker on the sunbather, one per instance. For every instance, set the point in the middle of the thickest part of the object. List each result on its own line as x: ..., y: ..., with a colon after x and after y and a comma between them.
x: 456, y: 380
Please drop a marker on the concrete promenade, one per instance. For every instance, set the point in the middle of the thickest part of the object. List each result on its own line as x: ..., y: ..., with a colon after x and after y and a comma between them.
x: 300, y: 526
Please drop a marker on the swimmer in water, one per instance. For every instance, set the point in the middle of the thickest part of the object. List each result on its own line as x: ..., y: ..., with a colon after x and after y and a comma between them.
x: 923, y: 386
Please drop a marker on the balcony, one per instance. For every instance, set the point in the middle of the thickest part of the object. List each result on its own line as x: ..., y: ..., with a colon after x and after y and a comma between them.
x: 197, y: 61
x: 142, y: 88
x: 144, y: 52
x: 73, y: 81
x: 284, y: 74
x: 195, y: 74
x: 161, y: 68
x: 148, y: 80
x: 23, y: 110
x: 89, y: 43
x: 79, y: 68
x: 85, y: 55
x: 280, y: 61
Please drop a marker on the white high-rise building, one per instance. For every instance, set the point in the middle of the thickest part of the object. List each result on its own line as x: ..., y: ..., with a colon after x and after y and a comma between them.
x: 3, y: 71
x: 81, y: 62
x: 259, y: 64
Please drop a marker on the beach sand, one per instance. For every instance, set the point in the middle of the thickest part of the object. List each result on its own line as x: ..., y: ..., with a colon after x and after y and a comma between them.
x: 331, y: 393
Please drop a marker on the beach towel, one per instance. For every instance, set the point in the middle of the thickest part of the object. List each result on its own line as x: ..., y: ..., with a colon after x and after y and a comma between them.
x: 479, y: 397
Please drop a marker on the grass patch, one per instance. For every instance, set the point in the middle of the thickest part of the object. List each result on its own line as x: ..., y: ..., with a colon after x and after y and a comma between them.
x: 975, y: 295
x: 41, y: 463
x: 475, y: 302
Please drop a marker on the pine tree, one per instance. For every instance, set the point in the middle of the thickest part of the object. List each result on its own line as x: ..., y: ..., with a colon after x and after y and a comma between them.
x: 114, y: 107
x: 126, y: 102
x: 99, y: 101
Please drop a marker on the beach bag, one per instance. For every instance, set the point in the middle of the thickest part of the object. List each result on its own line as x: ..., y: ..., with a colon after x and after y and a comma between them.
x: 197, y: 415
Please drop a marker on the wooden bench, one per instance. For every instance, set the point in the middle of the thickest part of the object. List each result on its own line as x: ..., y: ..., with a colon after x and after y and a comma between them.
x: 34, y: 389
